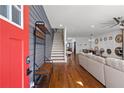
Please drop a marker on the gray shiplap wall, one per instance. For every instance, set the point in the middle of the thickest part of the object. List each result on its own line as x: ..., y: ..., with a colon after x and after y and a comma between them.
x: 37, y: 13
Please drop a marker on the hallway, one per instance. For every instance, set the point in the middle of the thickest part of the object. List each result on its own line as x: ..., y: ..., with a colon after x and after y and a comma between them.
x: 71, y: 75
x: 36, y: 39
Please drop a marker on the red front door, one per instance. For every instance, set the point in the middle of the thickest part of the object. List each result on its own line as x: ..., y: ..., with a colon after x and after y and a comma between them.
x: 14, y: 47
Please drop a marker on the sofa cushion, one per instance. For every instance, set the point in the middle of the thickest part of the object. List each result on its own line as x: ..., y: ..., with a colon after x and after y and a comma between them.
x: 115, y: 63
x: 100, y: 59
x: 97, y: 58
x: 88, y: 54
x: 122, y: 65
x: 93, y: 57
x: 109, y: 61
x: 82, y: 53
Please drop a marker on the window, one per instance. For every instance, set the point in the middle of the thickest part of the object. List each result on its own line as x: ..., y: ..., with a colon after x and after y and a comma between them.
x: 4, y: 10
x: 16, y: 14
x: 12, y: 14
x: 19, y: 6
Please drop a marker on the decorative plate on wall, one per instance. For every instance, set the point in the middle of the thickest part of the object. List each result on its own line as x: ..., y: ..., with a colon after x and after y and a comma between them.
x: 118, y: 51
x: 102, y: 50
x: 96, y: 48
x: 100, y: 39
x: 118, y: 38
x: 109, y: 51
x: 110, y: 38
x: 96, y: 41
x: 105, y: 38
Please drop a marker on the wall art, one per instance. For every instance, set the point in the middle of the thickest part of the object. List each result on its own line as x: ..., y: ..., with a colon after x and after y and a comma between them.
x: 118, y: 38
x: 110, y: 37
x: 118, y: 51
x: 105, y: 38
x: 96, y: 48
x: 100, y: 39
x: 96, y: 41
x: 102, y: 50
x: 109, y: 51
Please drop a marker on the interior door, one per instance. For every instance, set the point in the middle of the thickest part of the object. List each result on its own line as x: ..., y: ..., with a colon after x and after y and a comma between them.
x: 75, y: 48
x: 14, y: 47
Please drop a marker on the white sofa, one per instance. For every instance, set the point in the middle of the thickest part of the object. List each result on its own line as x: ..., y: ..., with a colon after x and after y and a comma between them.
x: 109, y: 71
x: 114, y: 73
x: 93, y: 66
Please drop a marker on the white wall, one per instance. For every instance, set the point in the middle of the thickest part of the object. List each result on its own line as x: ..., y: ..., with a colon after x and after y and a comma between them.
x: 71, y: 41
x: 108, y: 44
x: 82, y: 43
x: 64, y: 33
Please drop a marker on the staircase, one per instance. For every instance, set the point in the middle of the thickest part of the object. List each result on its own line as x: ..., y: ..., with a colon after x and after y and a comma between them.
x: 57, y: 54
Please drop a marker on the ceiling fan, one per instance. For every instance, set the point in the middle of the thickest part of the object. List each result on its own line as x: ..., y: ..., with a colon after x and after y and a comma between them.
x: 114, y: 22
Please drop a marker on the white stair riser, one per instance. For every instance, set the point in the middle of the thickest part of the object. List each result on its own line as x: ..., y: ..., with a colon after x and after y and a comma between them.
x: 57, y: 53
x: 60, y: 51
x: 58, y: 48
x: 58, y: 61
x: 58, y: 45
x: 57, y: 57
x: 58, y: 40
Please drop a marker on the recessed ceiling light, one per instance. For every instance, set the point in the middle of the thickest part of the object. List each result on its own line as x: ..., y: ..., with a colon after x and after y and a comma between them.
x: 61, y: 25
x: 92, y: 26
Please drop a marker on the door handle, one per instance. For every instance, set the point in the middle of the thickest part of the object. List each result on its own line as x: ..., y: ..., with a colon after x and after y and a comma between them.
x: 27, y: 60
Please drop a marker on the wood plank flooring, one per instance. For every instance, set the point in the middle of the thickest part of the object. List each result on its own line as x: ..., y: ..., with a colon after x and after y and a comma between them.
x: 71, y: 75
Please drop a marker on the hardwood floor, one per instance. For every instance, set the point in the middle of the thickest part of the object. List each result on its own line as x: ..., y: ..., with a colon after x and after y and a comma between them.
x: 71, y: 75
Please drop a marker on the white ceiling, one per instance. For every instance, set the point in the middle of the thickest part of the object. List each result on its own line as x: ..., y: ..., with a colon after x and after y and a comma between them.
x: 78, y: 18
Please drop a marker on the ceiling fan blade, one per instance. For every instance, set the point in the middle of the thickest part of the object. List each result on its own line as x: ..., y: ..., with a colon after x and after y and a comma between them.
x: 116, y: 20
x: 122, y: 21
x: 104, y: 26
x: 111, y: 21
x: 105, y: 23
x: 108, y: 25
x: 113, y: 25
